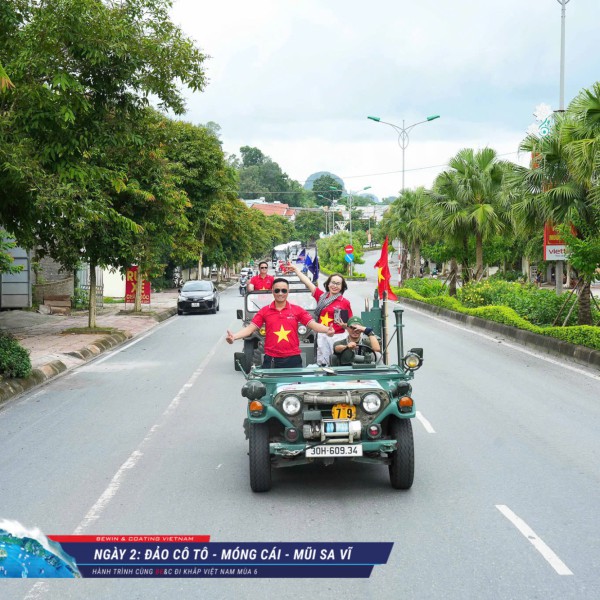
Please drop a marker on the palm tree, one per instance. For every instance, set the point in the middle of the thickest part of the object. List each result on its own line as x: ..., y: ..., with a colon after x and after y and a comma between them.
x: 394, y: 226
x: 450, y: 220
x: 416, y: 205
x: 562, y: 186
x: 409, y: 220
x: 477, y: 179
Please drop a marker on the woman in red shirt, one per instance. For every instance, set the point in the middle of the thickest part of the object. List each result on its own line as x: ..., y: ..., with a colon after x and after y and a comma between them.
x: 329, y: 302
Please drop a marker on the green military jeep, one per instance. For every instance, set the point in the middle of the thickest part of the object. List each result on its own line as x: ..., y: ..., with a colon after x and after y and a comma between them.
x: 359, y: 412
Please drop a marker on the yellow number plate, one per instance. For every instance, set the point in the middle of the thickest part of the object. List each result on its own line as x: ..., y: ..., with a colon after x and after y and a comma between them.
x: 343, y: 411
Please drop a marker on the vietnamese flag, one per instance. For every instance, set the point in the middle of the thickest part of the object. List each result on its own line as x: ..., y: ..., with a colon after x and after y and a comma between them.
x: 383, y: 274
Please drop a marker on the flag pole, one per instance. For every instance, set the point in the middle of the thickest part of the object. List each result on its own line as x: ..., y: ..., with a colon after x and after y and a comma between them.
x: 384, y: 336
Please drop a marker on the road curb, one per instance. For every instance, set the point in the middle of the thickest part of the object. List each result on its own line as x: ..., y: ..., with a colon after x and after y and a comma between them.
x: 545, y: 343
x: 11, y: 388
x: 99, y: 346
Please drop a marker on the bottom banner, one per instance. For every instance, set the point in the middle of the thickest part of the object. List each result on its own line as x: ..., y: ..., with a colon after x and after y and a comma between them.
x: 29, y: 553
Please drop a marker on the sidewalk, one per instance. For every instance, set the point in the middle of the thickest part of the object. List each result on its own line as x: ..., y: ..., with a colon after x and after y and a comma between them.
x: 52, y: 352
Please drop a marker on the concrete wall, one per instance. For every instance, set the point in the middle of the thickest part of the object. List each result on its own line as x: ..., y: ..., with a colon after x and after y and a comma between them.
x: 54, y: 288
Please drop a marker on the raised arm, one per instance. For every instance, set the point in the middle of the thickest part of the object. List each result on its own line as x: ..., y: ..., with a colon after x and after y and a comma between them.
x: 371, y: 335
x: 303, y: 278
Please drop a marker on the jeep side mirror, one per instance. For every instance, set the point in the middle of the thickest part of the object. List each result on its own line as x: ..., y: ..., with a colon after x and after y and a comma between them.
x: 240, y: 314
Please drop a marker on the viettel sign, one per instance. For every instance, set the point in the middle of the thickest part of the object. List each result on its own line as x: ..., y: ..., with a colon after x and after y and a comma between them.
x: 554, y: 245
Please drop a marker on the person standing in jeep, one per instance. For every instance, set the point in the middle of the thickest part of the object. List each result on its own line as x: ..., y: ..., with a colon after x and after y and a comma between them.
x: 281, y: 319
x: 329, y: 303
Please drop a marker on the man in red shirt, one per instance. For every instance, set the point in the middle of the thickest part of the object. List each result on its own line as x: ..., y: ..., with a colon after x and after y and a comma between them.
x: 262, y: 281
x: 280, y: 318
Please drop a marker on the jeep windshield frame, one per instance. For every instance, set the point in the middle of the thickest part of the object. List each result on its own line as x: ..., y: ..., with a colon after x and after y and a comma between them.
x: 254, y: 301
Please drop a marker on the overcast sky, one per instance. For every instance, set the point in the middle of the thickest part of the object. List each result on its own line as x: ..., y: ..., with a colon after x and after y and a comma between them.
x: 297, y: 79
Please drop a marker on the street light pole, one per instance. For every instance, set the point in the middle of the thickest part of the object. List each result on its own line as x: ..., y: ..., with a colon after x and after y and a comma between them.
x: 327, y: 210
x: 558, y: 265
x: 563, y: 11
x: 403, y: 132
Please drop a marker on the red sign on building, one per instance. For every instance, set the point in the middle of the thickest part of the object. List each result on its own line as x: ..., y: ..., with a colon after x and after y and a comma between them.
x: 130, y: 284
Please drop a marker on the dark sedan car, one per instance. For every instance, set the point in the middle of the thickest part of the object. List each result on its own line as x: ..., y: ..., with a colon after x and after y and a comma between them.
x: 198, y: 296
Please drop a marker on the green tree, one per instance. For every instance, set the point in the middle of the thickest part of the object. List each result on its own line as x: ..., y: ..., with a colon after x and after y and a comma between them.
x: 207, y: 179
x: 260, y: 176
x: 323, y: 192
x: 83, y: 72
x: 450, y: 217
x: 562, y: 185
x: 6, y: 260
x: 252, y: 157
x: 332, y: 250
x: 309, y: 225
x: 478, y: 176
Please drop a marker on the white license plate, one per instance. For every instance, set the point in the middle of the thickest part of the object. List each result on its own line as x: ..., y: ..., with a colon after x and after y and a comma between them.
x: 195, y: 304
x: 335, y: 450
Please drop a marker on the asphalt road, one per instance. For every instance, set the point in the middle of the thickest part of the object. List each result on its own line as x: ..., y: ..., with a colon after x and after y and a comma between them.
x: 148, y: 440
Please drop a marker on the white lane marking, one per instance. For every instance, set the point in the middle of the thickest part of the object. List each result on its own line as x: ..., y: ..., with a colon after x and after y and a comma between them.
x: 426, y: 424
x: 507, y: 344
x: 40, y: 588
x: 113, y: 487
x: 555, y: 562
x: 219, y: 466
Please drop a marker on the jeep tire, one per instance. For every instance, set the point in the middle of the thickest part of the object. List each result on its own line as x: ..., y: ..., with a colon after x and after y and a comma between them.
x: 402, y: 465
x: 249, y: 347
x: 260, y: 458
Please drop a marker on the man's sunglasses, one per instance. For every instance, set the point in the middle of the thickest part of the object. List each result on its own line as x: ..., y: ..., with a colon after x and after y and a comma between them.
x: 280, y: 291
x: 261, y: 268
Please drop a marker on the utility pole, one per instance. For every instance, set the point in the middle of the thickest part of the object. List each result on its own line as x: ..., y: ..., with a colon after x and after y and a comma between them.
x: 558, y: 265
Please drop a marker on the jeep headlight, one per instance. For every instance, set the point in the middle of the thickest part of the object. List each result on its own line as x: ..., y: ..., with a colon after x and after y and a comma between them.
x: 412, y: 361
x: 291, y: 405
x: 371, y: 403
x: 301, y: 329
x: 262, y: 331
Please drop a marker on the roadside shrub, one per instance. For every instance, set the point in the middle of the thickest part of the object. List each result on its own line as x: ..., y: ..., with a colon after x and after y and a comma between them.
x: 407, y: 293
x: 538, y: 306
x: 508, y: 276
x: 583, y: 335
x: 109, y: 300
x: 446, y: 302
x: 426, y: 287
x: 80, y: 298
x: 14, y: 359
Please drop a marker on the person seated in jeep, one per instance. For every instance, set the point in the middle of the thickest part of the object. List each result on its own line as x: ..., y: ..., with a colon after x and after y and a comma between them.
x: 358, y: 342
x: 280, y: 318
x: 261, y: 281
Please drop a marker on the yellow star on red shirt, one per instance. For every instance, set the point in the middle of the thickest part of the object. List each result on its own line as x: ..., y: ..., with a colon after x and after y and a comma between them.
x: 282, y: 334
x: 326, y: 319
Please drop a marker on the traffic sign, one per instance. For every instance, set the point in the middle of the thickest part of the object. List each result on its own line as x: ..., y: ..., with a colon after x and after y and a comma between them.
x: 349, y: 258
x: 349, y: 249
